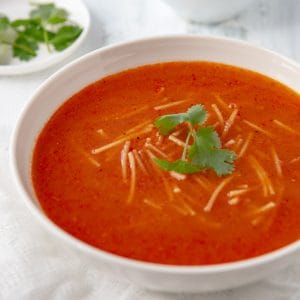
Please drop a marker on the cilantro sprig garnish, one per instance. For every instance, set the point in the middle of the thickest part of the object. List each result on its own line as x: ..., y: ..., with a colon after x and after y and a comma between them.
x: 47, y: 24
x: 205, y: 150
x: 7, y: 37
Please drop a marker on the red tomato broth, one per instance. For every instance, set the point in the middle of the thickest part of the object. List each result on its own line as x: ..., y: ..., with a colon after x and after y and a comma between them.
x: 90, y: 201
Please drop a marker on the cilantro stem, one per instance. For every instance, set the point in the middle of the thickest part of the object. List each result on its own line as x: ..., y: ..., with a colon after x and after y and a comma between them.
x: 183, y: 157
x: 26, y: 49
x: 46, y: 39
x: 192, y: 130
x: 5, y: 43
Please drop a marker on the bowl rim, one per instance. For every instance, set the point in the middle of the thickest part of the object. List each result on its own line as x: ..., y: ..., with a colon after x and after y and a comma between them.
x: 114, y: 258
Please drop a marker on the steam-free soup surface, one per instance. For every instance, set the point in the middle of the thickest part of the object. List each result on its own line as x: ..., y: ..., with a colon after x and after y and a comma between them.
x: 94, y: 175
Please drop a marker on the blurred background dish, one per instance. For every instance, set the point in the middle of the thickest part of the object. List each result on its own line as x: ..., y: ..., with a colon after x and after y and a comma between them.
x: 208, y: 11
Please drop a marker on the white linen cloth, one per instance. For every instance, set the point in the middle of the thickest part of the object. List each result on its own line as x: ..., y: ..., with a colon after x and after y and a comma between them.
x: 33, y: 264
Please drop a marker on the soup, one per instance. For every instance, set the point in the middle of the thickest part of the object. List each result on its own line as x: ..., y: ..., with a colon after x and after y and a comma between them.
x: 95, y: 173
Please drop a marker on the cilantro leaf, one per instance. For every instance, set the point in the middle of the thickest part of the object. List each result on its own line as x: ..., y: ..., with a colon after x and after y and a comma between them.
x: 7, y: 34
x: 25, y: 48
x: 205, y: 142
x: 220, y: 160
x: 65, y: 36
x: 179, y: 166
x: 196, y: 115
x: 4, y: 22
x: 49, y: 13
x: 208, y: 135
x: 58, y: 16
x: 25, y: 22
x: 168, y: 123
x: 7, y: 37
x: 42, y: 11
x: 35, y: 32
x: 31, y: 28
x: 206, y: 152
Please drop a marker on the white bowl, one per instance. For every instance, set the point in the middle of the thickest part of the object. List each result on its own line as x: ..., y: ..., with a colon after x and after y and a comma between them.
x: 95, y: 65
x: 16, y: 9
x: 208, y: 11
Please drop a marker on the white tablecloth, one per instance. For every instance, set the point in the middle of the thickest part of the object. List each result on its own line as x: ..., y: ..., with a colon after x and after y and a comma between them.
x: 35, y: 266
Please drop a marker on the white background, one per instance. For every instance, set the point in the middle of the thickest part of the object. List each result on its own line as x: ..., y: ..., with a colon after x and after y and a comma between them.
x: 35, y: 266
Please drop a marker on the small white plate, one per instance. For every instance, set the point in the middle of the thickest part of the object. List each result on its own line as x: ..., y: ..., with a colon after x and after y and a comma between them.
x: 20, y: 9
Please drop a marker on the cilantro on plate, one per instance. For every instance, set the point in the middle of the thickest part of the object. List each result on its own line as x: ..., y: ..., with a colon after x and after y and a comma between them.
x: 47, y: 24
x: 65, y: 36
